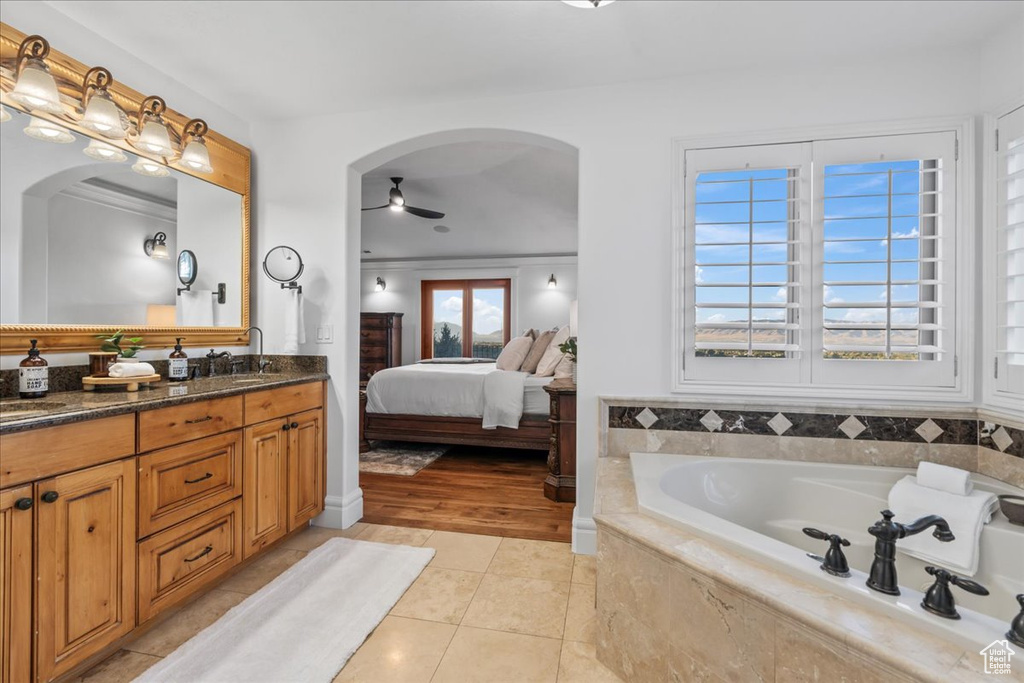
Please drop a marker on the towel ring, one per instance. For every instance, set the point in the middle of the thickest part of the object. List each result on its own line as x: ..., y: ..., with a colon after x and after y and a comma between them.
x: 284, y: 265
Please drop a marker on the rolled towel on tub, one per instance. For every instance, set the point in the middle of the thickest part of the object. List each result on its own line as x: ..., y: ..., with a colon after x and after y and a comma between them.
x: 943, y: 478
x: 123, y: 370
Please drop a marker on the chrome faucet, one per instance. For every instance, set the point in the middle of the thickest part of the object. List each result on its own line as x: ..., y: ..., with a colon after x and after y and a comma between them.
x: 882, y: 576
x: 262, y: 364
x: 212, y: 357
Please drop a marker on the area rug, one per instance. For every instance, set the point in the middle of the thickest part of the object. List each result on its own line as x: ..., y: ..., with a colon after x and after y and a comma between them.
x: 305, y: 624
x: 399, y: 457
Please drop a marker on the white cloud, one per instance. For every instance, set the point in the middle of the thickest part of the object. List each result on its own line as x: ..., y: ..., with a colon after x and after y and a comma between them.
x: 487, y: 317
x: 830, y: 296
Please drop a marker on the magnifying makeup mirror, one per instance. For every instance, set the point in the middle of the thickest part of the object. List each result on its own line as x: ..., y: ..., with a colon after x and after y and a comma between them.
x: 188, y: 270
x: 284, y: 265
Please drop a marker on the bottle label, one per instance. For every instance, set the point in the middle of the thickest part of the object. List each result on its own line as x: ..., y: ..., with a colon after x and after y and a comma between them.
x: 32, y: 380
x: 178, y: 368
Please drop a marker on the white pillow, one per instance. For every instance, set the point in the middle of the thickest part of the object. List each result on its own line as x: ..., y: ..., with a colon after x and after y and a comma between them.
x: 514, y: 353
x: 564, y: 368
x: 549, y: 361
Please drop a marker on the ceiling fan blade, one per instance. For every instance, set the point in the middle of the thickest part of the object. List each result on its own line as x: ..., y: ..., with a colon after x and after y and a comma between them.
x: 374, y: 208
x: 423, y: 213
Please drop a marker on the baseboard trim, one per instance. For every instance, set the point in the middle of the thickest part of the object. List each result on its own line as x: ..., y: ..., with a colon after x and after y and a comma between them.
x: 341, y: 512
x: 584, y: 534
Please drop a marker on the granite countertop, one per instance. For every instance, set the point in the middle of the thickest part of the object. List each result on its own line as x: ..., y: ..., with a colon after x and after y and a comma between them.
x: 79, y: 406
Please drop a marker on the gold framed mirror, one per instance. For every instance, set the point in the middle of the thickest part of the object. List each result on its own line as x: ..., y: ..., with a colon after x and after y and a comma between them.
x: 88, y: 246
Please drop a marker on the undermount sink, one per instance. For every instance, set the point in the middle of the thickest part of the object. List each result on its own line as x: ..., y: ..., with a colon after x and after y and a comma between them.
x: 26, y: 407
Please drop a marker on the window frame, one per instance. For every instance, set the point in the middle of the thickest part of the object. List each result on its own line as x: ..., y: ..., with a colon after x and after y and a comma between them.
x: 427, y: 289
x: 960, y: 391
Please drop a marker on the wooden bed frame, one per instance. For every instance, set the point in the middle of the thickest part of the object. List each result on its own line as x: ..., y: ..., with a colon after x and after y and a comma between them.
x: 534, y: 431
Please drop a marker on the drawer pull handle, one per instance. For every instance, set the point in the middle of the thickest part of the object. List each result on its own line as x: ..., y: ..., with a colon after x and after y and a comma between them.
x: 286, y: 427
x: 50, y: 497
x: 23, y: 503
x: 295, y: 425
x: 206, y: 551
x: 199, y: 419
x: 202, y: 478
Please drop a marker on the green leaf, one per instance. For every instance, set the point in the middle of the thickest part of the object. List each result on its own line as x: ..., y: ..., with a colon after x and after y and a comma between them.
x: 107, y: 346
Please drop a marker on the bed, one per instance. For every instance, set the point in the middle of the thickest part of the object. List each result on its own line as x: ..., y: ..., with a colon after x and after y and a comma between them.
x: 457, y: 403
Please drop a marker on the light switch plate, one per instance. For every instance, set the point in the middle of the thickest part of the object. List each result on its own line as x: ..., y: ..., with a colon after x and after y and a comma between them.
x: 325, y: 334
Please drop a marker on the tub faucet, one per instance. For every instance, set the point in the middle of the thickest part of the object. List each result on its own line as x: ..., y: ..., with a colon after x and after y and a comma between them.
x: 882, y: 576
x: 212, y: 356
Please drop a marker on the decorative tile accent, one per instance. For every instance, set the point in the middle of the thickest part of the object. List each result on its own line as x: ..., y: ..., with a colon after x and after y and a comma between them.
x: 647, y: 418
x: 779, y: 424
x: 852, y: 427
x: 711, y: 421
x: 1001, y: 439
x: 928, y: 430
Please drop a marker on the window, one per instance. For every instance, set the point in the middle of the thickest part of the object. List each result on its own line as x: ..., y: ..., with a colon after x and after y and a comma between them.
x: 826, y: 262
x: 1009, y: 245
x: 446, y: 316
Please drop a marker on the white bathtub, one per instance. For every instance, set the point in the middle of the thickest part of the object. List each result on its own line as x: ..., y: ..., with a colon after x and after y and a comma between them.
x: 759, y: 507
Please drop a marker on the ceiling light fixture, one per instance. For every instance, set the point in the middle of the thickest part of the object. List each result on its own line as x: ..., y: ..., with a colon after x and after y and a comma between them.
x: 552, y: 282
x: 101, y: 114
x: 588, y: 4
x: 381, y: 285
x: 195, y: 156
x: 156, y: 246
x: 153, y: 134
x: 153, y: 169
x: 101, y: 151
x: 48, y: 131
x: 35, y: 87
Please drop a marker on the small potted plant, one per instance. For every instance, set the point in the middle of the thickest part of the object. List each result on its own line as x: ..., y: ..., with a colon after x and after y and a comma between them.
x: 125, y: 353
x: 568, y: 347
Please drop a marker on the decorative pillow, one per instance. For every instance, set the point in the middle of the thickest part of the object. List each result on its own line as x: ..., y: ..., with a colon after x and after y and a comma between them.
x: 514, y: 353
x: 564, y: 368
x: 529, y: 332
x: 553, y: 355
x: 537, y: 351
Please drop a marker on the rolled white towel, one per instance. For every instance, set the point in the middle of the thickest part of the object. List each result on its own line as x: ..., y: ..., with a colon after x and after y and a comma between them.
x: 123, y: 370
x: 943, y: 478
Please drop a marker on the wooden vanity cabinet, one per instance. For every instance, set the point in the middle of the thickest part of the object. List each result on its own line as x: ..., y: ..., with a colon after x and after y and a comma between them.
x: 305, y: 468
x: 16, y: 507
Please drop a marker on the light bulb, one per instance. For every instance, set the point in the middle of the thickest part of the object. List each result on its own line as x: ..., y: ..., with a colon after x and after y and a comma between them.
x: 101, y: 151
x: 150, y: 168
x: 154, y: 138
x: 396, y: 207
x: 36, y: 89
x: 48, y: 131
x: 196, y: 156
x: 102, y: 116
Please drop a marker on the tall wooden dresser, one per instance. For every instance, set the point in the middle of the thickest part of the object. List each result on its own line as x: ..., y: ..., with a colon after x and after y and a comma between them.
x: 380, y: 342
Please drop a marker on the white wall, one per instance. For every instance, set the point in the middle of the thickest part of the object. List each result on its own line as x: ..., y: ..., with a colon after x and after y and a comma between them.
x: 623, y: 134
x: 533, y: 303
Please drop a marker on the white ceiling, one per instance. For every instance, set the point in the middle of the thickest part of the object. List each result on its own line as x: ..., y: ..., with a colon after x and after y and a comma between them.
x: 361, y: 55
x: 499, y: 199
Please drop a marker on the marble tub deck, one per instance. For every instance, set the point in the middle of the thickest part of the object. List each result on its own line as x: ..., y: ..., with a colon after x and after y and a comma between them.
x: 675, y: 606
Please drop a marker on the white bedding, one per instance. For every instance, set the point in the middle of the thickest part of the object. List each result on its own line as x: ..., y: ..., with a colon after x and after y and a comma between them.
x: 448, y: 390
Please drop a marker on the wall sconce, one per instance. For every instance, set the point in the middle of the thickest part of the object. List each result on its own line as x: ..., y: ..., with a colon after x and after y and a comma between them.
x: 194, y: 154
x: 552, y: 282
x: 35, y: 87
x: 101, y: 151
x: 156, y: 246
x: 153, y: 134
x: 47, y: 131
x: 381, y: 285
x: 101, y: 114
x: 5, y: 115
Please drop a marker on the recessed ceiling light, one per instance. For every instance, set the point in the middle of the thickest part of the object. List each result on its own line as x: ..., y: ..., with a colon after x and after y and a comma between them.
x: 442, y: 228
x: 588, y: 4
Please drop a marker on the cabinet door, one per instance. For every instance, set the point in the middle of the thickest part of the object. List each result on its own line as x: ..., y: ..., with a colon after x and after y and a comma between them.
x: 264, y: 484
x: 85, y: 560
x: 305, y: 467
x: 16, y: 585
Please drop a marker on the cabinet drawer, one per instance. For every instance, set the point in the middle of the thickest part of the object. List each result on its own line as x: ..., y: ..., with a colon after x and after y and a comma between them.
x: 369, y: 354
x: 373, y: 335
x: 40, y: 453
x: 178, y: 424
x: 266, y: 405
x: 175, y: 563
x: 177, y: 483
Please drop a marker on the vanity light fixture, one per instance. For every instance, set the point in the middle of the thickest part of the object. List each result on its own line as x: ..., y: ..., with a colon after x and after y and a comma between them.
x: 5, y: 115
x: 153, y: 134
x: 381, y: 285
x: 101, y: 151
x: 552, y: 282
x: 35, y: 87
x: 195, y: 155
x: 153, y: 169
x: 156, y: 246
x: 101, y: 114
x: 47, y: 131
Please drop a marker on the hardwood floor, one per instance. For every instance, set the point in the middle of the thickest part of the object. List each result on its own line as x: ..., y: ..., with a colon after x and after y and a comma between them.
x: 498, y: 492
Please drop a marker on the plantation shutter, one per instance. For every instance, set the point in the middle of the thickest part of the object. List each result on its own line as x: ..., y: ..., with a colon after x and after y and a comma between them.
x: 1010, y: 252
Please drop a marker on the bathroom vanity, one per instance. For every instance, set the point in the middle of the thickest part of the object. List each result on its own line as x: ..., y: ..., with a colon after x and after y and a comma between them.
x: 116, y: 507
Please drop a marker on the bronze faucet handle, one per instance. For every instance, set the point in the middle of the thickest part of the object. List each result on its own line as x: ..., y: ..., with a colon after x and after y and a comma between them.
x: 834, y: 562
x: 939, y: 598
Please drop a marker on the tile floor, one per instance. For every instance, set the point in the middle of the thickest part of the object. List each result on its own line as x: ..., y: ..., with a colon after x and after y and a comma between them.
x: 486, y: 609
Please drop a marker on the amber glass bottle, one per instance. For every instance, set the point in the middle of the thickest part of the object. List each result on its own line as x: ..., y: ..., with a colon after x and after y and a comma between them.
x: 33, y: 375
x: 177, y: 364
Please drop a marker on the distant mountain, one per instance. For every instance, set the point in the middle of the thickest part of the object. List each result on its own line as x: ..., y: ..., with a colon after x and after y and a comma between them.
x: 456, y: 330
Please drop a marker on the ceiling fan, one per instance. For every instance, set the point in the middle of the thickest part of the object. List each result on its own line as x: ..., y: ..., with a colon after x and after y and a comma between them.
x: 396, y: 202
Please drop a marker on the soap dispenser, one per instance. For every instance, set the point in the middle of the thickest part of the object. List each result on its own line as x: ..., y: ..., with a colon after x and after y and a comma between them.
x: 177, y: 365
x: 33, y: 375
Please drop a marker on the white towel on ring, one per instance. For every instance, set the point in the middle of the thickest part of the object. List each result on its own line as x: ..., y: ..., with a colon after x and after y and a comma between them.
x: 294, y: 322
x: 120, y: 370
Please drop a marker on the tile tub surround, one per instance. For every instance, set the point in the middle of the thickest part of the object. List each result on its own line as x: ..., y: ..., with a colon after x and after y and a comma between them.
x: 675, y: 606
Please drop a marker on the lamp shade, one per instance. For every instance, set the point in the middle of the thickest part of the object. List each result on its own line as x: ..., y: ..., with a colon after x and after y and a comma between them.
x: 154, y: 138
x: 196, y: 157
x: 48, y: 131
x: 149, y: 168
x: 5, y: 115
x: 101, y: 151
x: 36, y: 89
x: 102, y: 116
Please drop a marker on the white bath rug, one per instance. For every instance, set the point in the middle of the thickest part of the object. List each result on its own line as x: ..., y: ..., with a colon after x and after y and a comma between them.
x: 305, y: 624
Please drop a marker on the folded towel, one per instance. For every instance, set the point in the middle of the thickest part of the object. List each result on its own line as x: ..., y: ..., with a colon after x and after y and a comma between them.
x: 124, y: 370
x: 966, y: 516
x: 943, y: 478
x: 294, y: 322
